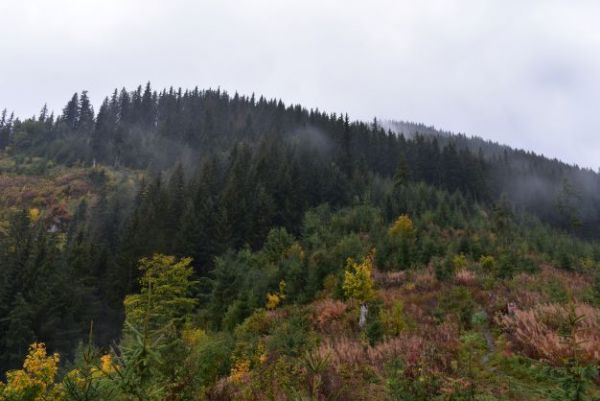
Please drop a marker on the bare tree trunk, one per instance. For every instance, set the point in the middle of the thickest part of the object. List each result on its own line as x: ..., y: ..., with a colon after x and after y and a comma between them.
x: 364, y: 310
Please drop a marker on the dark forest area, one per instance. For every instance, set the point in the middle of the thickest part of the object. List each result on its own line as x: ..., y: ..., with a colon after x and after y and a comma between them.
x: 280, y: 224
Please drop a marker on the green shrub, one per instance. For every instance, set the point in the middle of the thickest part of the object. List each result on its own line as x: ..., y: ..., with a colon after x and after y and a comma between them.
x: 444, y: 269
x: 374, y: 328
x: 488, y: 263
x: 214, y: 358
x: 459, y: 303
x: 410, y: 383
x: 393, y: 319
x: 292, y: 336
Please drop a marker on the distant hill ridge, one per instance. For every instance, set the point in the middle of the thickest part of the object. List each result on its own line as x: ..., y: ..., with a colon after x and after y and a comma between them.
x: 155, y: 130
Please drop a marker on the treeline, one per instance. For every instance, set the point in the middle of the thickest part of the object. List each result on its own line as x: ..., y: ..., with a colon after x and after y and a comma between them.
x: 146, y: 129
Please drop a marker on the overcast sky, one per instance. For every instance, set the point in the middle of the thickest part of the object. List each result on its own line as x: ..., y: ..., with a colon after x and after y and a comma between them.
x: 525, y: 73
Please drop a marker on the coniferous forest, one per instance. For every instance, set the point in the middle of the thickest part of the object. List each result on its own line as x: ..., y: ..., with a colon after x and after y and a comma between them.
x: 199, y: 245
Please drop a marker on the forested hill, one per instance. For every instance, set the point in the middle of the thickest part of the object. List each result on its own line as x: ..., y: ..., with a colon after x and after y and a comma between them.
x: 145, y: 129
x: 193, y: 245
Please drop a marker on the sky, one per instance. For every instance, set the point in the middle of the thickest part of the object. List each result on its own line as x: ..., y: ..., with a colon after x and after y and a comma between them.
x: 523, y: 73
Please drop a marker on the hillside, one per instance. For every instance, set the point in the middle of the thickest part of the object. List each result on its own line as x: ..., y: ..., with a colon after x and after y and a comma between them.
x: 309, y: 257
x: 153, y: 130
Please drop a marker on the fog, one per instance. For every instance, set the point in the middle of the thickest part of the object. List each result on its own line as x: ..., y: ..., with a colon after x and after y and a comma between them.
x: 522, y: 73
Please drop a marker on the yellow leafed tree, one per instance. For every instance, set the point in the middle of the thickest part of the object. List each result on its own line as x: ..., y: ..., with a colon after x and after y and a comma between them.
x: 34, y: 214
x: 403, y: 227
x: 35, y: 382
x: 274, y: 299
x: 358, y: 279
